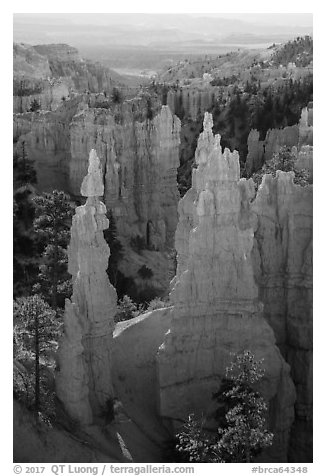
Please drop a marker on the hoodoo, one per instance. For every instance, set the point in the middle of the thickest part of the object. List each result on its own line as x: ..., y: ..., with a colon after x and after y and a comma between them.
x: 83, y: 380
x: 216, y: 307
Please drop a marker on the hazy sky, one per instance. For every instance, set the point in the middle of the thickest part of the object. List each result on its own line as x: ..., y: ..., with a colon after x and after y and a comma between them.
x: 158, y: 29
x: 298, y: 19
x: 291, y: 19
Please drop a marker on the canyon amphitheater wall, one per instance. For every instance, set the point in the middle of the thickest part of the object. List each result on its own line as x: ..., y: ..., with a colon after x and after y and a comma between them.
x: 138, y: 146
x: 46, y: 139
x: 139, y: 161
x: 216, y: 302
x: 83, y: 381
x: 49, y: 74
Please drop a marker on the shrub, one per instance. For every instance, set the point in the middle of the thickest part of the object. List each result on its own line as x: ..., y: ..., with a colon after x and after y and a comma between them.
x: 196, y: 444
x: 127, y: 309
x: 156, y: 303
x: 283, y: 160
x: 35, y: 106
x: 116, y: 96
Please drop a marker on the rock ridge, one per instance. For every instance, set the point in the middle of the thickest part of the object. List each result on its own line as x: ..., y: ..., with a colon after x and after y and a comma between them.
x: 282, y: 258
x: 299, y: 136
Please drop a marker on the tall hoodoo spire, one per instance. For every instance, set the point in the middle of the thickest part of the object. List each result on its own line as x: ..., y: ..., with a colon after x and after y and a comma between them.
x: 83, y: 381
x: 216, y: 307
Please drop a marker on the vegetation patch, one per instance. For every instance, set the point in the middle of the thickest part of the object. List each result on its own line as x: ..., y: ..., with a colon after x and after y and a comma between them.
x: 284, y: 160
x: 241, y: 433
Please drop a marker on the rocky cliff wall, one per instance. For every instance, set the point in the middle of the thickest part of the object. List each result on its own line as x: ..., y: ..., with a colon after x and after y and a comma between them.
x: 216, y: 306
x: 304, y: 159
x: 48, y: 73
x: 139, y: 162
x: 261, y: 151
x: 306, y: 126
x: 255, y: 157
x: 282, y: 258
x: 28, y: 62
x: 47, y: 142
x: 138, y: 145
x: 66, y: 62
x: 190, y: 103
x: 48, y: 93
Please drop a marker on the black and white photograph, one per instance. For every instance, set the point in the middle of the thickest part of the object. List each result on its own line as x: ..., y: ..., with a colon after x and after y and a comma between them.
x: 162, y: 242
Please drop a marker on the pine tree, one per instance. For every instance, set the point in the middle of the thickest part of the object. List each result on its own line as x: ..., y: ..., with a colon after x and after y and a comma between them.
x: 35, y: 106
x: 240, y: 416
x: 35, y: 332
x: 24, y: 171
x: 24, y: 247
x: 116, y: 250
x: 243, y: 432
x: 52, y: 225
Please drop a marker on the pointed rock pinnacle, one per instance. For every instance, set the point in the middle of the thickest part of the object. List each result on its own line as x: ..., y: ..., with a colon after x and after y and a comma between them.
x: 92, y: 185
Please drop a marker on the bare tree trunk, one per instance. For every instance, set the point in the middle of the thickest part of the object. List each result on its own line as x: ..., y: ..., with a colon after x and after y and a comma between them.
x: 37, y: 364
x: 55, y: 271
x: 247, y: 453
